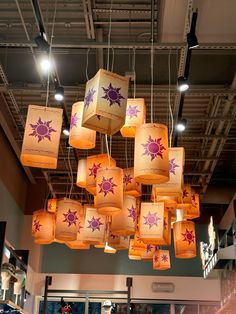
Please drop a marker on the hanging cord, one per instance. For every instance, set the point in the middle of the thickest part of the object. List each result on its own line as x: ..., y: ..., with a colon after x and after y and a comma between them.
x: 87, y: 57
x: 134, y: 61
x: 108, y: 152
x: 110, y: 143
x: 152, y: 79
x: 171, y: 120
x: 109, y: 38
x: 71, y: 173
x: 126, y: 153
x: 113, y: 59
x: 46, y: 199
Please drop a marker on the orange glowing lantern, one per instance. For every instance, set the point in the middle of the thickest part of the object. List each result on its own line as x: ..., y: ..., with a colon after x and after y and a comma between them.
x: 43, y: 226
x: 105, y: 102
x: 135, y: 116
x: 109, y: 249
x: 185, y: 201
x: 161, y: 260
x: 93, y: 164
x: 66, y: 219
x: 41, y: 137
x: 151, y: 154
x: 80, y: 137
x: 109, y: 197
x: 124, y: 222
x: 81, y: 173
x: 184, y: 239
x: 122, y: 243
x: 94, y: 227
x: 169, y: 201
x: 147, y: 254
x: 134, y: 252
x: 131, y: 187
x: 52, y: 205
x: 194, y: 210
x: 79, y: 242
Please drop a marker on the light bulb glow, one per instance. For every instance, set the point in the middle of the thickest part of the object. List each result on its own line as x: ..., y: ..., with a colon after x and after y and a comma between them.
x: 183, y: 87
x: 180, y: 127
x: 59, y: 97
x: 66, y: 132
x: 45, y: 65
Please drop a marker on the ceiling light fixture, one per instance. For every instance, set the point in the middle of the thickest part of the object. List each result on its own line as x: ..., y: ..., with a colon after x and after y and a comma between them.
x: 41, y: 42
x: 59, y: 93
x: 181, y: 125
x: 45, y: 65
x: 191, y: 36
x: 182, y: 84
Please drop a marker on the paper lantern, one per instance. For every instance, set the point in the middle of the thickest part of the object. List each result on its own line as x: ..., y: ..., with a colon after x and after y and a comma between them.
x: 170, y: 202
x: 151, y: 154
x: 52, y: 205
x: 135, y: 116
x: 193, y: 211
x: 184, y: 239
x: 41, y: 137
x: 81, y: 173
x: 131, y: 187
x: 105, y: 102
x: 94, y: 227
x: 134, y: 252
x: 109, y: 249
x: 151, y: 223
x: 109, y: 190
x: 79, y: 242
x: 167, y: 228
x: 121, y: 244
x: 147, y: 253
x: 124, y: 222
x: 161, y: 260
x: 43, y: 226
x: 80, y: 137
x: 66, y: 219
x: 185, y: 201
x: 93, y: 164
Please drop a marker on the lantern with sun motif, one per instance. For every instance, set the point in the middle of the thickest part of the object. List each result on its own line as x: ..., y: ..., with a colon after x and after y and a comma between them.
x: 147, y: 253
x: 79, y: 242
x: 184, y: 239
x: 109, y: 190
x: 105, y: 102
x: 94, y: 226
x: 134, y: 252
x: 80, y: 137
x: 52, y: 205
x: 66, y: 219
x: 151, y: 154
x: 135, y: 116
x: 41, y: 137
x: 93, y: 164
x: 81, y: 173
x: 194, y: 210
x: 169, y: 201
x: 131, y: 187
x: 161, y: 260
x: 124, y: 222
x: 185, y: 200
x: 43, y: 226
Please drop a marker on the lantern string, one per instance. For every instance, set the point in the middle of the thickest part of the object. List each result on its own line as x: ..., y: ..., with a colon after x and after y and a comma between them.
x: 109, y: 38
x: 46, y: 198
x: 71, y: 173
x: 134, y: 72
x: 87, y: 57
x: 152, y: 78
x: 126, y: 153
x: 108, y: 152
x: 110, y: 143
x: 113, y: 59
x: 171, y: 120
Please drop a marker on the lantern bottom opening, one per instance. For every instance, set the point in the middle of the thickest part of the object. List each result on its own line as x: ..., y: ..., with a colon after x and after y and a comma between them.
x: 38, y: 161
x: 108, y: 210
x: 152, y: 178
x: 66, y: 237
x: 128, y: 131
x: 81, y: 144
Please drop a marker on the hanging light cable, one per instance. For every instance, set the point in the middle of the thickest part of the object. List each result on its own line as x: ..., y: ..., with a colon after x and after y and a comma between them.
x: 171, y: 120
x: 71, y: 173
x: 134, y: 72
x: 109, y: 38
x: 152, y: 56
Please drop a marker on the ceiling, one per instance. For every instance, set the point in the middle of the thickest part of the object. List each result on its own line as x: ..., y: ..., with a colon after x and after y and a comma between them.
x: 80, y: 38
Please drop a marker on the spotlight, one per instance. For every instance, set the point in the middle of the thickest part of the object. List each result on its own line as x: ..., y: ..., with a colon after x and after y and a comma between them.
x: 182, y: 84
x: 181, y: 125
x: 192, y: 40
x: 45, y: 65
x: 66, y: 131
x: 41, y: 42
x: 59, y: 93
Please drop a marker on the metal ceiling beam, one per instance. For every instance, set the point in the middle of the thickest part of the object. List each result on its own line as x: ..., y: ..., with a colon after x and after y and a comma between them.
x: 88, y: 16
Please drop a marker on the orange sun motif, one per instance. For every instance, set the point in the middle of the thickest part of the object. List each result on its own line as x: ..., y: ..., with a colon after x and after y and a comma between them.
x: 70, y: 218
x: 107, y: 186
x: 42, y: 130
x: 153, y: 148
x: 151, y: 219
x: 188, y: 236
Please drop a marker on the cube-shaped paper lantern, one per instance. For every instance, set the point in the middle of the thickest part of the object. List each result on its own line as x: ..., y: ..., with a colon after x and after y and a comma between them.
x: 105, y: 102
x: 167, y: 228
x: 169, y: 201
x: 81, y: 173
x: 78, y: 245
x: 135, y: 116
x: 174, y: 187
x: 122, y: 243
x: 151, y: 154
x: 193, y: 211
x: 79, y: 242
x: 147, y: 253
x: 138, y: 243
x: 80, y: 137
x: 124, y: 222
x: 52, y: 205
x: 66, y: 219
x: 161, y: 260
x: 185, y: 201
x: 109, y: 184
x: 184, y: 239
x: 93, y: 164
x: 43, y: 226
x: 134, y: 252
x: 151, y: 223
x: 94, y: 227
x: 131, y: 187
x: 41, y: 137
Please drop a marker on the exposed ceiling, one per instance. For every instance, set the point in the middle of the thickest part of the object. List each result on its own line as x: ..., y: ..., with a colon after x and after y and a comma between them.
x: 80, y: 37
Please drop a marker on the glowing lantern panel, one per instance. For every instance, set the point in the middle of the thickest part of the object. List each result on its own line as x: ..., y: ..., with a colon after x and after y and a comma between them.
x: 41, y: 137
x: 185, y: 201
x: 184, y: 239
x: 43, y: 226
x: 151, y: 155
x: 81, y: 173
x: 94, y: 227
x: 134, y: 252
x: 52, y: 205
x: 131, y: 187
x: 122, y: 243
x: 161, y: 260
x: 193, y: 211
x: 105, y: 102
x: 79, y: 242
x: 147, y: 253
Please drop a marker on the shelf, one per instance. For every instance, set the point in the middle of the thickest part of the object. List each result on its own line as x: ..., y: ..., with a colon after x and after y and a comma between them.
x: 8, y: 305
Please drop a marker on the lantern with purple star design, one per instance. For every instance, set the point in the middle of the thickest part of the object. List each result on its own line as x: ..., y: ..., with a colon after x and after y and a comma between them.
x: 151, y: 154
x: 161, y: 259
x: 134, y: 252
x: 135, y: 116
x: 43, y: 226
x: 193, y: 211
x: 185, y: 200
x: 66, y: 219
x: 109, y: 190
x: 131, y: 187
x: 184, y: 239
x: 41, y: 137
x: 81, y: 173
x: 105, y: 102
x: 121, y: 243
x: 80, y: 137
x: 124, y: 222
x: 147, y: 253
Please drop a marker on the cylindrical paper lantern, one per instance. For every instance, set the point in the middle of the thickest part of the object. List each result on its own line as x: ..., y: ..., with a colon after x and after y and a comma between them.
x: 93, y: 164
x: 184, y: 239
x: 131, y: 187
x: 66, y: 219
x: 52, y: 205
x: 80, y: 137
x: 105, y: 102
x: 79, y: 242
x: 147, y: 254
x: 135, y: 116
x: 124, y: 222
x: 151, y: 154
x: 41, y: 137
x: 185, y: 201
x: 161, y: 260
x: 81, y: 173
x: 43, y: 226
x: 169, y: 201
x: 109, y: 190
x: 134, y: 252
x: 193, y: 211
x: 94, y: 226
x: 122, y: 243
